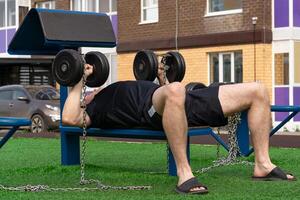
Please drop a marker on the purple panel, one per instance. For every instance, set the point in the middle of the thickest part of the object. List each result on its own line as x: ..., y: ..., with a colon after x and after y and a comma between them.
x: 10, y: 35
x: 281, y: 8
x: 2, y: 41
x: 297, y: 101
x: 114, y: 21
x: 297, y: 13
x: 281, y: 98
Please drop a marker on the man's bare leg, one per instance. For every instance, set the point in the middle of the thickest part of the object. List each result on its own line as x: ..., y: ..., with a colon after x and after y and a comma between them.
x: 169, y: 102
x: 252, y: 96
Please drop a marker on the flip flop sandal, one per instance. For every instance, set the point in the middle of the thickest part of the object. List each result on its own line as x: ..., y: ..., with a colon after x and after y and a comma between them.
x: 275, y: 175
x: 185, y: 188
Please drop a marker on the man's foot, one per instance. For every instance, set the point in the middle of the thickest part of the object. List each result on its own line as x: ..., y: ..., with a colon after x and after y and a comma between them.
x: 191, y: 186
x: 271, y: 172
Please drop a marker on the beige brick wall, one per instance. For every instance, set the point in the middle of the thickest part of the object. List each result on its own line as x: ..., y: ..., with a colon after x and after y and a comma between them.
x: 197, y: 63
x: 279, y: 65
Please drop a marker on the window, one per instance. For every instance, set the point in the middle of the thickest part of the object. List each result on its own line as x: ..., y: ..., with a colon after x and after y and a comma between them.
x: 2, y: 14
x: 18, y: 93
x: 7, y: 13
x: 282, y: 69
x: 11, y: 12
x: 46, y: 5
x: 91, y: 5
x: 112, y: 59
x: 105, y: 6
x: 76, y: 5
x: 149, y: 12
x: 226, y: 67
x: 6, y: 95
x: 224, y: 6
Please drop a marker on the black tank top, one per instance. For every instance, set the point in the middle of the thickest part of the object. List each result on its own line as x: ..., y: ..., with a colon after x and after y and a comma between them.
x: 120, y: 105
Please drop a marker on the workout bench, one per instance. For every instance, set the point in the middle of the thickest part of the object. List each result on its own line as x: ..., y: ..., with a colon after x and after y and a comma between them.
x: 14, y: 123
x: 46, y: 32
x: 70, y: 137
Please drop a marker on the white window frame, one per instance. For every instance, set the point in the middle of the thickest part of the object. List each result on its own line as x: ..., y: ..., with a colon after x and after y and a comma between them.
x: 145, y: 8
x: 84, y: 7
x: 5, y: 27
x: 218, y: 13
x: 112, y: 72
x: 43, y: 4
x: 221, y: 71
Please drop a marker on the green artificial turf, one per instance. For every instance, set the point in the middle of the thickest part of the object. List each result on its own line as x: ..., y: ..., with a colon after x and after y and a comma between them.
x: 37, y: 161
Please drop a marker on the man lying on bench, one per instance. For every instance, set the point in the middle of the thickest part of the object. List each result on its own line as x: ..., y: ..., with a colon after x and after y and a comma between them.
x: 129, y: 104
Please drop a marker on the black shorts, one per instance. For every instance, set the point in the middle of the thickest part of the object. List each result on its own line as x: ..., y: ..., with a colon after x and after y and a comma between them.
x: 202, y: 108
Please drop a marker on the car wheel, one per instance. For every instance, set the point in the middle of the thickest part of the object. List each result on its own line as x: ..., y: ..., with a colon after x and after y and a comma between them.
x: 38, y: 124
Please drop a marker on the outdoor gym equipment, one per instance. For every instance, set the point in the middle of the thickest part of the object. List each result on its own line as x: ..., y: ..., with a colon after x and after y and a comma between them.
x: 145, y: 65
x: 68, y: 68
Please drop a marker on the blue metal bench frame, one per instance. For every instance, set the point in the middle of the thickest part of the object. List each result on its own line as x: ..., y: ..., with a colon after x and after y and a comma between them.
x: 70, y: 142
x: 294, y: 110
x: 14, y: 123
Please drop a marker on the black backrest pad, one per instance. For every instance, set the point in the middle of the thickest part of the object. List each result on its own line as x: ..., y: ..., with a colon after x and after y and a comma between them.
x: 46, y: 32
x: 76, y: 27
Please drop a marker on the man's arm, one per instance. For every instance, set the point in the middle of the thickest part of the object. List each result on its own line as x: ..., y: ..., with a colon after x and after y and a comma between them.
x: 72, y: 112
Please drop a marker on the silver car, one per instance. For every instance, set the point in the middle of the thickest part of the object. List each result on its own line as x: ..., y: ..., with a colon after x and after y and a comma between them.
x: 38, y: 103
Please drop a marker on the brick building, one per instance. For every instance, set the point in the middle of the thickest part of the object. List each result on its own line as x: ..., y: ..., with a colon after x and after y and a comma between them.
x: 221, y: 41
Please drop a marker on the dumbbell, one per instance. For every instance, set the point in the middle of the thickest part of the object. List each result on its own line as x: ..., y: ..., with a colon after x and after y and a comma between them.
x: 68, y: 68
x: 145, y: 65
x: 194, y: 86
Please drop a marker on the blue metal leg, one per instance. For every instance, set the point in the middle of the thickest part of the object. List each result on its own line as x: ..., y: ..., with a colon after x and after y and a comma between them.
x: 274, y: 130
x: 70, y: 149
x: 219, y: 140
x: 8, y: 135
x: 171, y: 160
x: 243, y: 134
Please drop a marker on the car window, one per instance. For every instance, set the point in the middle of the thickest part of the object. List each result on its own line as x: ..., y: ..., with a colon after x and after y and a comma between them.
x: 6, y: 95
x: 43, y: 93
x: 53, y: 94
x: 42, y: 96
x: 18, y: 93
x: 47, y: 94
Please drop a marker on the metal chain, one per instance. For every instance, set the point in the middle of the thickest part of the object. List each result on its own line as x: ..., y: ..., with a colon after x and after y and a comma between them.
x: 98, y: 183
x: 83, y: 181
x: 234, y: 151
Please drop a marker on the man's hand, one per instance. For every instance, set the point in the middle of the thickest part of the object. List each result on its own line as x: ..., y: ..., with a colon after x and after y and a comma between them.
x: 88, y: 69
x: 161, y: 74
x: 160, y: 71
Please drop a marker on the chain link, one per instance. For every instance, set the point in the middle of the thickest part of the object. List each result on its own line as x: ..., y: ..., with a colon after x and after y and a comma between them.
x: 98, y: 183
x: 83, y: 181
x: 234, y: 151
